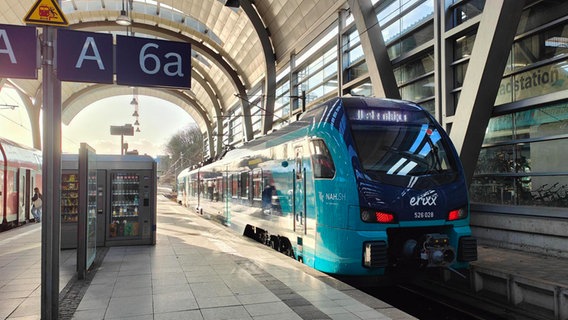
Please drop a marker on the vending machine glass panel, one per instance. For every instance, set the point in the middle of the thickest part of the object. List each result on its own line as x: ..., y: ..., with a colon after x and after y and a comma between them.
x: 69, y: 197
x: 125, y: 202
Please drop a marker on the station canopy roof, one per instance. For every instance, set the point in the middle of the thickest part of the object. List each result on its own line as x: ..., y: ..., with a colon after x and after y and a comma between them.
x: 213, y: 26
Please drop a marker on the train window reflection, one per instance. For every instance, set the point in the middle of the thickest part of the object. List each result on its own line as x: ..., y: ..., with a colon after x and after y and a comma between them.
x: 322, y: 163
x: 404, y: 150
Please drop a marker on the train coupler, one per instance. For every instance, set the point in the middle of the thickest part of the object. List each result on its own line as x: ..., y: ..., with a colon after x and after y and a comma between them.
x: 433, y: 250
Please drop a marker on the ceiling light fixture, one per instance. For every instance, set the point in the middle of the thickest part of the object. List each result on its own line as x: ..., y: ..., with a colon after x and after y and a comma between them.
x: 232, y: 3
x: 123, y: 19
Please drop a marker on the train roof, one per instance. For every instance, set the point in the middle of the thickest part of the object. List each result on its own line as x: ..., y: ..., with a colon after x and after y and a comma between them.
x: 22, y: 155
x: 308, y: 117
x: 5, y: 141
x: 314, y: 114
x: 184, y: 173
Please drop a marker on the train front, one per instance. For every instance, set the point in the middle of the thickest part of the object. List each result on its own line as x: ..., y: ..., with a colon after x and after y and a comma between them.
x: 413, y: 209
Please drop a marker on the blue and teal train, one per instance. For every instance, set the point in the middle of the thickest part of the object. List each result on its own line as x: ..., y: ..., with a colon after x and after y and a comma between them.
x: 357, y: 186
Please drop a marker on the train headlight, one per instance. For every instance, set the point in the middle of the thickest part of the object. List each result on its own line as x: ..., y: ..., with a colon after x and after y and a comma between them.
x: 370, y: 215
x: 457, y: 214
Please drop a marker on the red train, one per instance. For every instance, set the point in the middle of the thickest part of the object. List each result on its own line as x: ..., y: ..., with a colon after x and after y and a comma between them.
x: 20, y: 172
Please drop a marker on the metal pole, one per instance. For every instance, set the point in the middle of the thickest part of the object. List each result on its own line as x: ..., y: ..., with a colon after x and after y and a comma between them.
x: 51, y: 181
x: 122, y: 144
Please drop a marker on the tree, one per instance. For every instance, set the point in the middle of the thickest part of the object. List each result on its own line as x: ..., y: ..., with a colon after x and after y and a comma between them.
x: 185, y: 149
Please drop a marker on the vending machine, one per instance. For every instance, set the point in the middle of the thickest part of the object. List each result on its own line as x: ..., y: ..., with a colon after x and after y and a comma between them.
x: 126, y: 191
x: 131, y: 210
x: 69, y: 200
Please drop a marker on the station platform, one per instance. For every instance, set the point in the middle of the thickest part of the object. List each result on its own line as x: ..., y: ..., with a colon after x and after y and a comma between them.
x: 201, y: 270
x: 198, y: 269
x: 534, y: 284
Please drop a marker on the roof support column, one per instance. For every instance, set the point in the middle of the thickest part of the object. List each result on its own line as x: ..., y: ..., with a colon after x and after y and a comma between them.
x: 269, y: 61
x: 497, y: 29
x: 378, y: 61
x: 34, y: 112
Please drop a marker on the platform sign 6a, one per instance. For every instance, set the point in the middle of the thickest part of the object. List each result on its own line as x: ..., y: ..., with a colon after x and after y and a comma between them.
x: 152, y: 62
x: 18, y: 52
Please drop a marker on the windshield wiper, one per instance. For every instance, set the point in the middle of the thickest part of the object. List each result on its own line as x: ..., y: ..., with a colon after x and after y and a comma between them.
x: 438, y: 163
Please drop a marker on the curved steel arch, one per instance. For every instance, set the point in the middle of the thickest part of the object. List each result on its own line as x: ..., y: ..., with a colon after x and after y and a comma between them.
x: 31, y: 109
x: 71, y: 108
x: 215, y: 57
x: 270, y: 63
x: 208, y: 85
x: 88, y: 95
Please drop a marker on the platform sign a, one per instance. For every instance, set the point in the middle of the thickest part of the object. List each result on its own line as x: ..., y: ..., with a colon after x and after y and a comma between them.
x: 46, y: 12
x: 18, y: 52
x: 84, y: 56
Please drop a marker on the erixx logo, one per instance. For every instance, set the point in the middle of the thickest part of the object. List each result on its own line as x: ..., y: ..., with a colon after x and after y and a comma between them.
x: 428, y: 198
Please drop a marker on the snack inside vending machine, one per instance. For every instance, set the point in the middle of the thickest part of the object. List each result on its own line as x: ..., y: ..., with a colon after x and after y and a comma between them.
x: 69, y: 200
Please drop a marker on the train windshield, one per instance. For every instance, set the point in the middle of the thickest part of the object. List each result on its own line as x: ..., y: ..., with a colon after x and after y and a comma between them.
x: 401, y: 149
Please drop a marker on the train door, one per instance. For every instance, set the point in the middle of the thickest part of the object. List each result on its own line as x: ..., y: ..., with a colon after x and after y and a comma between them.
x: 32, y: 183
x: 24, y: 195
x: 2, y: 194
x: 299, y: 202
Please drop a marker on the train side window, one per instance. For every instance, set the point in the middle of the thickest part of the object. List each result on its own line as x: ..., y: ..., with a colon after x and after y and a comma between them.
x: 244, y: 185
x: 322, y: 163
x: 298, y: 165
x: 257, y: 184
x: 234, y: 185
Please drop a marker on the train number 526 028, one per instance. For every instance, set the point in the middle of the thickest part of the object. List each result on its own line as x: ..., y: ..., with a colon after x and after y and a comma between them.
x: 423, y: 214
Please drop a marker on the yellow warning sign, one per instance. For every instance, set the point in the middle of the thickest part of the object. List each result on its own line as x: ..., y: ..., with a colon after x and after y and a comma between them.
x: 46, y: 12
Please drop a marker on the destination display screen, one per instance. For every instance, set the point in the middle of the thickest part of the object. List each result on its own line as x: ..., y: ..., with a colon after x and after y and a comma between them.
x: 386, y: 115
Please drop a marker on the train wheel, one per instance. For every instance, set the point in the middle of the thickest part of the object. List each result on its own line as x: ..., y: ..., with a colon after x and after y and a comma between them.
x: 274, y: 242
x: 260, y: 235
x: 286, y: 247
x: 249, y: 231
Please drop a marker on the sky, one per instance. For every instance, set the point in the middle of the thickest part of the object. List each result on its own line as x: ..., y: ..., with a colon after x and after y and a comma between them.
x: 159, y: 121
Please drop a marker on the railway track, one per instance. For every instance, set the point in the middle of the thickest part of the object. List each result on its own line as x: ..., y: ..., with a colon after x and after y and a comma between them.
x: 428, y: 299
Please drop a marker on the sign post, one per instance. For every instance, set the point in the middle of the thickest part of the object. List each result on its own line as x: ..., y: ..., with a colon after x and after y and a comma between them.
x: 125, y: 130
x: 48, y: 14
x: 51, y: 182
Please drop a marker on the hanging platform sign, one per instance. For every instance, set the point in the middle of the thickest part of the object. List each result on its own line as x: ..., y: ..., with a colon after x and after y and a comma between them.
x: 18, y: 52
x: 144, y: 62
x: 84, y: 56
x: 47, y: 13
